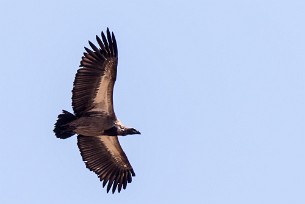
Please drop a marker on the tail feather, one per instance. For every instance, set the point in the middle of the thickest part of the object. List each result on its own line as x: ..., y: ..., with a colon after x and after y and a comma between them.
x: 62, y: 129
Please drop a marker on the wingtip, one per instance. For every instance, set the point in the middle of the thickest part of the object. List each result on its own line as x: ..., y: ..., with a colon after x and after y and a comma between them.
x: 109, y: 187
x: 102, y: 33
x: 90, y: 43
x: 87, y: 49
x: 133, y: 173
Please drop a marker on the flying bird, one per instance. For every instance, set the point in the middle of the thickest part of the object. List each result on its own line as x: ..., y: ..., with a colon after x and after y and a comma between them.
x: 94, y: 119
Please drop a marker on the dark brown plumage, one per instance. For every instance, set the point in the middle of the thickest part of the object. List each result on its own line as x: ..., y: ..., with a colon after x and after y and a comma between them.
x: 111, y: 165
x: 96, y: 66
x: 94, y: 119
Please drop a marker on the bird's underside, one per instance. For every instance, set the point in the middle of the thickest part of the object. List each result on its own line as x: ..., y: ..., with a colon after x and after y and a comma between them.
x: 92, y: 125
x: 94, y: 119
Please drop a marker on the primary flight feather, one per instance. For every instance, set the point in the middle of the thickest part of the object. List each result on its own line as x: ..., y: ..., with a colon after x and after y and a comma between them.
x: 94, y: 119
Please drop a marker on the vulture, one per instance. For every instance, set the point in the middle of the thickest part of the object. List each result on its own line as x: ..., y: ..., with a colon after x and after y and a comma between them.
x: 94, y: 120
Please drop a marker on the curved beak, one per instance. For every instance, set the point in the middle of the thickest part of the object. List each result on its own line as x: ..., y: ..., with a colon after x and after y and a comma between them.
x: 134, y: 131
x: 137, y: 132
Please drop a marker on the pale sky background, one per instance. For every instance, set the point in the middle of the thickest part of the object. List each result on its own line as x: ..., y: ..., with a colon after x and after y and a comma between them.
x: 216, y: 87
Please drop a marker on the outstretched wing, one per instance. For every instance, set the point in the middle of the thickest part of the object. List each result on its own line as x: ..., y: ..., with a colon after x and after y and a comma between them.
x: 104, y: 156
x: 94, y: 81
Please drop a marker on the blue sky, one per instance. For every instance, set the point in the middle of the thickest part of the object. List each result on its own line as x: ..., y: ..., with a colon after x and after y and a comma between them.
x: 217, y: 89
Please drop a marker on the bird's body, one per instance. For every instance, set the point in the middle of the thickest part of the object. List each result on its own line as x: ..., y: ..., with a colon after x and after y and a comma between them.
x: 94, y: 119
x: 93, y: 124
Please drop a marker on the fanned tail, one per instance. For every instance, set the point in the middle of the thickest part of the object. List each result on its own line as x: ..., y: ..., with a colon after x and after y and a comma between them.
x: 62, y: 129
